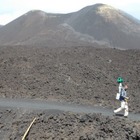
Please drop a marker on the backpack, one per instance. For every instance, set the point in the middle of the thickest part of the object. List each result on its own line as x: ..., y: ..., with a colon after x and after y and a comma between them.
x: 121, y: 96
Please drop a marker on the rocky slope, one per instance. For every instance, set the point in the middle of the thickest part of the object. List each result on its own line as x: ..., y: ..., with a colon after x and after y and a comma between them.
x: 77, y: 74
x: 65, y: 125
x: 83, y: 75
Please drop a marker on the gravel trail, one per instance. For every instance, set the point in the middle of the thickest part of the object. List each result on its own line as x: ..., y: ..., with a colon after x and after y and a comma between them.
x: 30, y: 104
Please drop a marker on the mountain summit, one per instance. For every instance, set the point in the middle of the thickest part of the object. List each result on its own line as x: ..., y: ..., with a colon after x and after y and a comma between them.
x: 104, y: 22
x: 96, y: 23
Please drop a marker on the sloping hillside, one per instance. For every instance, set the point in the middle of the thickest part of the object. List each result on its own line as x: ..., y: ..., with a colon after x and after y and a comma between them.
x: 76, y: 74
x: 96, y: 24
x: 104, y: 22
x: 29, y: 25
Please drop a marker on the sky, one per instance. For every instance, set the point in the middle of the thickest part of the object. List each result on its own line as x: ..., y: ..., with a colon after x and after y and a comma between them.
x: 11, y: 9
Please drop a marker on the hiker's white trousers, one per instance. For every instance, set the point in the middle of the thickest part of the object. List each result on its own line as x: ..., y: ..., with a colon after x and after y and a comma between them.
x: 124, y: 105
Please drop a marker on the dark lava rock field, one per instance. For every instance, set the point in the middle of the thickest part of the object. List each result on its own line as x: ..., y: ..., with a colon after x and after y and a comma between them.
x: 83, y: 75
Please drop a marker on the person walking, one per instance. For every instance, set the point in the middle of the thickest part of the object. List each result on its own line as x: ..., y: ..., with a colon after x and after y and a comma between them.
x: 123, y: 98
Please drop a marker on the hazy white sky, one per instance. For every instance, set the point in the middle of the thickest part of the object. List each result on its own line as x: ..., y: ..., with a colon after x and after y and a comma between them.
x: 11, y: 9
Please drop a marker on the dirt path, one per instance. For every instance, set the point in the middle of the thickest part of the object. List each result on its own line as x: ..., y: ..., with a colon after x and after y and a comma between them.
x: 62, y: 106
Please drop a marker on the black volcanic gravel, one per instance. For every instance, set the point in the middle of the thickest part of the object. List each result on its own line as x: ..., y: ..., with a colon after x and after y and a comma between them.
x: 84, y: 75
x: 65, y: 126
